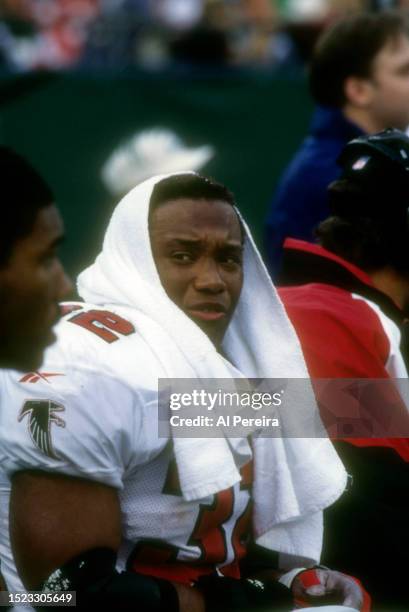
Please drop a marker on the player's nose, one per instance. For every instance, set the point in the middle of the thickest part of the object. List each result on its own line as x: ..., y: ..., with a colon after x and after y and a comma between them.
x: 208, y: 277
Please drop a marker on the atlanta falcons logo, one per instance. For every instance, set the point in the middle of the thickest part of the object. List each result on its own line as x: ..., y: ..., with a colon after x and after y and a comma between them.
x: 41, y: 415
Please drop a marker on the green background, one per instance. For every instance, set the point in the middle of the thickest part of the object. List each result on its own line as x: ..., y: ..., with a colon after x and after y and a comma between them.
x: 67, y: 125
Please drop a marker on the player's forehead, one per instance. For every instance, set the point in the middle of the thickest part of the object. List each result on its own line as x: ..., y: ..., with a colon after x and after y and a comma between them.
x: 197, y: 217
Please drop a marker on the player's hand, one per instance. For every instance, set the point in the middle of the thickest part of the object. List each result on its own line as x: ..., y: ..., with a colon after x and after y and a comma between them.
x: 322, y: 586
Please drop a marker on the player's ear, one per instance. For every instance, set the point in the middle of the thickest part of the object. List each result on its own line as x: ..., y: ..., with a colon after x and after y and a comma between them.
x: 358, y: 91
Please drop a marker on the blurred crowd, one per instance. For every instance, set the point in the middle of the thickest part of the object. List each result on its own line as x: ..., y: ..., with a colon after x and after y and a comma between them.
x: 156, y: 34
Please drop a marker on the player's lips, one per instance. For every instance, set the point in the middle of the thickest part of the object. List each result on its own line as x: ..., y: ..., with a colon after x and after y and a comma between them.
x: 207, y: 311
x: 51, y: 336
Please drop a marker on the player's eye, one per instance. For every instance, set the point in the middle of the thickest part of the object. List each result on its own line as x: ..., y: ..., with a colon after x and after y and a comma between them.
x: 232, y: 259
x: 182, y: 256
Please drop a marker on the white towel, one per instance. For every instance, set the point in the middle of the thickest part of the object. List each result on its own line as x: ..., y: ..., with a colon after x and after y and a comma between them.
x: 294, y: 478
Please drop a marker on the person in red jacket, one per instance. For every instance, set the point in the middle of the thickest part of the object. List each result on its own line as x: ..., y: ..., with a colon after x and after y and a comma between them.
x: 348, y: 298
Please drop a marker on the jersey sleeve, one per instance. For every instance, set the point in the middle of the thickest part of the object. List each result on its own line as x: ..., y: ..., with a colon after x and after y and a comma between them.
x: 344, y: 337
x: 75, y: 422
x: 338, y: 342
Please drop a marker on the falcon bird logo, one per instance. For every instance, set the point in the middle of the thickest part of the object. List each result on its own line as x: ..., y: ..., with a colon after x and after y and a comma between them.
x: 41, y: 415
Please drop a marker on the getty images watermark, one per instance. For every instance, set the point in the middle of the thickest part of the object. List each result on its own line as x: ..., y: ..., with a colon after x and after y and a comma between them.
x: 230, y: 405
x: 340, y: 408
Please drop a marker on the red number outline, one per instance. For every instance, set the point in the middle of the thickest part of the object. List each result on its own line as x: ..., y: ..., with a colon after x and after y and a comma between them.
x: 208, y: 533
x: 103, y: 324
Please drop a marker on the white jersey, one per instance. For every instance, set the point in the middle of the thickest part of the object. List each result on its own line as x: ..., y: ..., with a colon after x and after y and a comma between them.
x: 78, y: 416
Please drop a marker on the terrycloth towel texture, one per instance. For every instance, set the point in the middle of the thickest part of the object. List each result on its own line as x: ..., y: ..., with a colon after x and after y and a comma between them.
x: 294, y: 479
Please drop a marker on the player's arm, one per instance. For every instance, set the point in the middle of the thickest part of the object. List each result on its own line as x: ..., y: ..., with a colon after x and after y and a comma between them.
x: 54, y: 518
x: 58, y: 522
x: 65, y: 534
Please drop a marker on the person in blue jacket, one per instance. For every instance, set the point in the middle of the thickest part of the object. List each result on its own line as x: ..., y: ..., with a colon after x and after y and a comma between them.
x: 359, y: 77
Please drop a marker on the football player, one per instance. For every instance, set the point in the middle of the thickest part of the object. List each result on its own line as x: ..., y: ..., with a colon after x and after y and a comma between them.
x: 32, y: 280
x: 104, y: 505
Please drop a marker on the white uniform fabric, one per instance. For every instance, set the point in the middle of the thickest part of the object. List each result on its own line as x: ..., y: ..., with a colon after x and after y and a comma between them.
x: 395, y: 365
x: 98, y: 401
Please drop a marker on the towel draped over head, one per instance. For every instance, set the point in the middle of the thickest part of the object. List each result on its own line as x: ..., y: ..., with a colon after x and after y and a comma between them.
x: 294, y: 478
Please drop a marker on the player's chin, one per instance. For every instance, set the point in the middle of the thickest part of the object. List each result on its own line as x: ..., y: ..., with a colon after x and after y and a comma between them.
x: 215, y: 330
x: 32, y: 357
x: 47, y: 340
x: 50, y: 337
x: 28, y: 360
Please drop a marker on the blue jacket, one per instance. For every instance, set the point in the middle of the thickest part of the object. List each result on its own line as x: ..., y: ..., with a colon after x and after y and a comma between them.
x: 300, y: 201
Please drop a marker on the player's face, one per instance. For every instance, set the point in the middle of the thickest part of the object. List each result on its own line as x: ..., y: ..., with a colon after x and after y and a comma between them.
x: 389, y: 100
x: 197, y: 248
x: 32, y: 283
